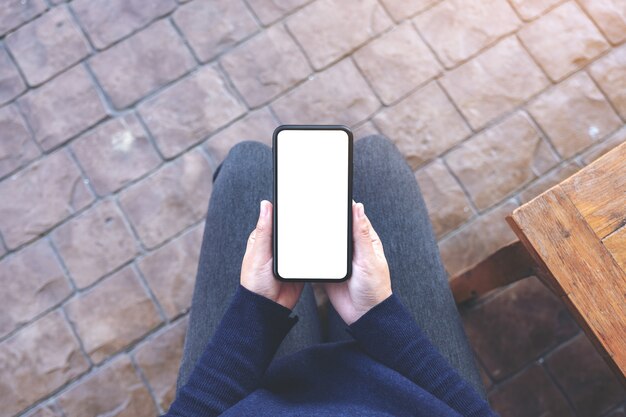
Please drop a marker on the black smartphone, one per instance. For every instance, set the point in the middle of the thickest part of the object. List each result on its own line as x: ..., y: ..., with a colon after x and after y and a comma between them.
x: 312, y: 235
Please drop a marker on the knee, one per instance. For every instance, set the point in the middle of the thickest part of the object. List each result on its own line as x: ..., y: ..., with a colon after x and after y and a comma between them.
x: 377, y: 145
x: 246, y: 156
x: 375, y: 142
x: 248, y: 149
x: 249, y: 153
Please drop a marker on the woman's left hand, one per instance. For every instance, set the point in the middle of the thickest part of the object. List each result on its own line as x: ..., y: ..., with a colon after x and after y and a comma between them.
x: 257, y: 271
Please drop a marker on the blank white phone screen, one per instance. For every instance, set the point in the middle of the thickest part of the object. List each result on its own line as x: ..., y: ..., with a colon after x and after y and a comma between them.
x: 312, y: 203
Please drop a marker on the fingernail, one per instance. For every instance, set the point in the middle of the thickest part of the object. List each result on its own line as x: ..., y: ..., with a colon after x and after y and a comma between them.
x: 360, y: 209
x: 263, y: 210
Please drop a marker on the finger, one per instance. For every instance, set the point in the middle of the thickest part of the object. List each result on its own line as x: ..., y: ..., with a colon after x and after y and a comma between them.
x: 250, y: 241
x: 373, y: 234
x: 376, y: 242
x: 331, y: 288
x: 261, y: 236
x: 297, y: 287
x: 362, y: 232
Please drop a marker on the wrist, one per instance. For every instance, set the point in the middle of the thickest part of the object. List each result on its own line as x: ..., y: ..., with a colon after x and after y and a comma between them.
x: 267, y: 305
x: 382, y: 295
x: 261, y: 292
x: 375, y: 301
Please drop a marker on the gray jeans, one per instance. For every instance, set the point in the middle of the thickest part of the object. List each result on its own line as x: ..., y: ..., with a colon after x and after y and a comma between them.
x: 386, y: 185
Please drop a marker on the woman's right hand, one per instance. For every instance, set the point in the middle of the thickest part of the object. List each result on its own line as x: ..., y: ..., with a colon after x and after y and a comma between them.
x: 370, y: 282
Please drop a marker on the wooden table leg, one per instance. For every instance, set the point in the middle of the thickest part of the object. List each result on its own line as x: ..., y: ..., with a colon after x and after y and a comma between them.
x: 509, y: 264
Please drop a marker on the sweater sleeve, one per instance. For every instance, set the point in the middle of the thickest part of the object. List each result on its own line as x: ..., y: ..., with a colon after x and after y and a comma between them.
x: 236, y: 357
x: 389, y: 334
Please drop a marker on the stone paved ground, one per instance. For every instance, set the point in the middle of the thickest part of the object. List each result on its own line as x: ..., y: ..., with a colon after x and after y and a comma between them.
x: 115, y: 113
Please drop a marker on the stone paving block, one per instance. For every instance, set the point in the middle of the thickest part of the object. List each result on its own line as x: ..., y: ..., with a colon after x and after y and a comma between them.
x: 402, y: 9
x: 591, y: 386
x: 114, y: 390
x: 266, y: 65
x: 142, y: 63
x: 115, y: 153
x: 397, y: 62
x: 530, y: 9
x: 258, y: 125
x: 618, y: 413
x: 214, y: 26
x: 574, y: 114
x: 495, y: 82
x: 563, y: 40
x: 32, y: 281
x: 545, y: 158
x: 36, y: 361
x: 95, y: 243
x: 118, y: 155
x: 548, y: 181
x: 48, y: 410
x: 187, y: 112
x: 423, y: 125
x: 610, y: 16
x: 516, y: 326
x: 610, y: 74
x: 365, y: 129
x: 477, y: 240
x: 458, y: 29
x: 486, y: 165
x: 171, y: 271
x: 159, y: 360
x: 269, y: 11
x: 447, y: 204
x: 47, y: 45
x: 16, y: 144
x: 346, y: 24
x: 42, y: 195
x: 530, y: 394
x: 487, y: 382
x: 14, y: 13
x: 605, y: 146
x: 113, y: 314
x: 338, y: 95
x: 170, y: 200
x: 108, y: 21
x: 62, y: 108
x: 11, y: 83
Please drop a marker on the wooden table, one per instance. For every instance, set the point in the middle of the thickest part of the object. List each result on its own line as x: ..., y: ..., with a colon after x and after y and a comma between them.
x: 576, y: 234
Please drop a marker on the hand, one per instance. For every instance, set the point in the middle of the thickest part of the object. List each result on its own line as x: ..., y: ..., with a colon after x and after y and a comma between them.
x: 256, y: 270
x: 370, y: 282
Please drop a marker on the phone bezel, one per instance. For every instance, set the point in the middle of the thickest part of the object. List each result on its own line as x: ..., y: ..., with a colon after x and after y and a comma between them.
x: 275, y: 202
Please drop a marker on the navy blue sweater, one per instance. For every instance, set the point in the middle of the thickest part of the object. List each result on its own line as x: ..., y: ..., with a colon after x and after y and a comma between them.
x: 390, y: 369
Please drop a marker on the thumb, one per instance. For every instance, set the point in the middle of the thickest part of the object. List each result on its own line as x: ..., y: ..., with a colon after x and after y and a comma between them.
x: 362, y: 232
x: 261, y: 236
